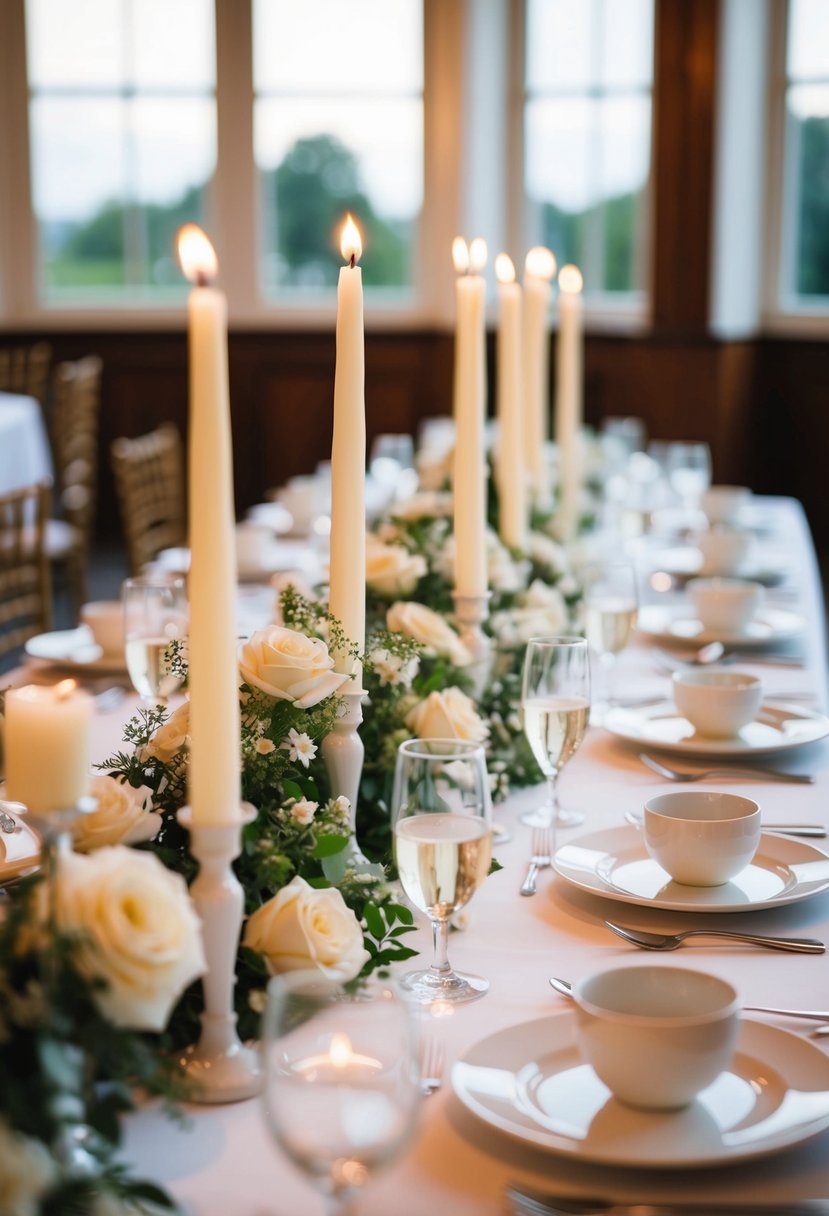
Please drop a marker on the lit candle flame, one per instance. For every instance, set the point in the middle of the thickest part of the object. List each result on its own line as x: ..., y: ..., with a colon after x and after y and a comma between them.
x: 504, y: 269
x: 339, y: 1052
x: 540, y: 263
x: 351, y: 246
x: 196, y: 254
x: 570, y: 280
x: 460, y: 255
x: 65, y: 689
x: 477, y: 255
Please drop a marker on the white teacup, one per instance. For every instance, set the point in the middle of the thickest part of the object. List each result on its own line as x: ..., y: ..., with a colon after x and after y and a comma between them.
x: 701, y: 838
x: 717, y: 702
x: 723, y: 504
x: 724, y: 550
x: 656, y: 1035
x: 725, y: 605
x: 251, y: 544
x: 105, y: 618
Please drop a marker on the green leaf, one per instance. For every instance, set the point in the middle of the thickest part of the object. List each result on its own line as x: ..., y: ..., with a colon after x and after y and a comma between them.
x: 327, y: 846
x: 401, y: 912
x: 374, y: 921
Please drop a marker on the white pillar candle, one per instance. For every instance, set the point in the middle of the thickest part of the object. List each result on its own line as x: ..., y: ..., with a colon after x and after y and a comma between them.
x: 512, y: 498
x: 469, y: 466
x: 47, y: 746
x: 347, y: 596
x: 539, y: 269
x: 214, y: 771
x: 569, y: 397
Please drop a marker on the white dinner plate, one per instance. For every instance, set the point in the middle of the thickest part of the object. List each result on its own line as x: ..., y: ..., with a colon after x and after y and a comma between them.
x: 19, y: 851
x: 75, y: 649
x: 777, y: 728
x: 278, y: 557
x: 531, y: 1082
x: 615, y: 864
x: 684, y: 563
x: 770, y: 625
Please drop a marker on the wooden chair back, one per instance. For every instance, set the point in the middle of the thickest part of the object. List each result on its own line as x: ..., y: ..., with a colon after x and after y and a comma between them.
x: 25, y: 369
x: 149, y: 477
x: 25, y: 586
x: 76, y: 408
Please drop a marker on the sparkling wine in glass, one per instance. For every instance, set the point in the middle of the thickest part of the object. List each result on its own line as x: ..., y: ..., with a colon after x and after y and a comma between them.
x: 442, y: 824
x: 341, y: 1082
x: 155, y: 621
x: 610, y: 607
x: 555, y: 709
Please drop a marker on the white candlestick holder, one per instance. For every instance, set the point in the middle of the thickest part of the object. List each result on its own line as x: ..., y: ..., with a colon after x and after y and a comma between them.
x: 470, y: 612
x: 221, y: 1068
x: 343, y: 753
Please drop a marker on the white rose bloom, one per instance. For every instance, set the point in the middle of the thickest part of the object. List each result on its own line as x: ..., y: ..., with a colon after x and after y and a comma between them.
x: 392, y: 570
x: 27, y: 1170
x: 515, y: 626
x: 302, y: 928
x: 544, y: 550
x: 428, y: 504
x: 122, y: 816
x: 138, y: 932
x: 541, y: 595
x: 449, y: 714
x: 429, y: 628
x: 289, y: 666
x: 170, y: 738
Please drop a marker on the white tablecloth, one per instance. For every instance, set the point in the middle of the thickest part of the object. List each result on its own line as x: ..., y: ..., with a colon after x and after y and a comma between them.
x: 25, y: 457
x: 223, y: 1162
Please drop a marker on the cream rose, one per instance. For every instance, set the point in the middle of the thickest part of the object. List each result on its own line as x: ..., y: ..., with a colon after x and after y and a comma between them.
x: 122, y: 816
x: 449, y: 714
x: 427, y: 627
x: 515, y: 626
x: 428, y: 504
x: 137, y: 931
x: 171, y: 738
x: 303, y: 928
x: 289, y: 666
x: 392, y: 570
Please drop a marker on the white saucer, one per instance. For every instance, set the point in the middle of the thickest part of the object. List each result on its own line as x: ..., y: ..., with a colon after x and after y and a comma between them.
x: 685, y: 563
x: 75, y: 649
x: 530, y: 1081
x: 615, y: 864
x: 770, y: 625
x: 19, y: 851
x: 777, y: 728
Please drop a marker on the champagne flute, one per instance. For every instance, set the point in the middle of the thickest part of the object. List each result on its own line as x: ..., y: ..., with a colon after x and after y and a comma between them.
x: 610, y: 607
x: 441, y: 819
x: 155, y: 617
x: 555, y: 707
x: 341, y: 1082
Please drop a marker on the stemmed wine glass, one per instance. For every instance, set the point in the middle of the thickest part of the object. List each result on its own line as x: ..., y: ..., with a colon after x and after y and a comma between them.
x: 441, y: 819
x: 610, y: 607
x: 155, y: 617
x: 341, y: 1081
x: 688, y: 466
x: 555, y: 708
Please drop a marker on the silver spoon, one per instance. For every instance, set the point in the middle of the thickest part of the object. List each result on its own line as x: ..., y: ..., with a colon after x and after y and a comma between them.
x: 683, y: 774
x: 716, y: 652
x: 815, y: 830
x: 565, y: 988
x: 672, y: 941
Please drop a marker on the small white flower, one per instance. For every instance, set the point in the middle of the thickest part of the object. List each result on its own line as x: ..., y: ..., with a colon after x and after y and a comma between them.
x: 303, y: 811
x: 257, y: 999
x: 342, y: 804
x: 264, y: 747
x: 299, y: 747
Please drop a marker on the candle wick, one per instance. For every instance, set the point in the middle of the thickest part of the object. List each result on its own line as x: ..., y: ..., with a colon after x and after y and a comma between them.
x: 353, y: 260
x: 202, y: 279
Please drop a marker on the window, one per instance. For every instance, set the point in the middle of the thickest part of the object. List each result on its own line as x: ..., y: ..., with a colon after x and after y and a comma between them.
x: 338, y: 126
x: 588, y: 71
x: 122, y: 140
x: 804, y: 245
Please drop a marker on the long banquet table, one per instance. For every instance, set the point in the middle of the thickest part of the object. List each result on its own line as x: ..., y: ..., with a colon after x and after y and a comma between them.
x: 223, y: 1161
x: 25, y: 457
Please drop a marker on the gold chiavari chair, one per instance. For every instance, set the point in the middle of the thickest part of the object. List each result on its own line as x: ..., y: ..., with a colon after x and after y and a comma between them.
x: 149, y: 477
x: 25, y: 587
x: 25, y: 369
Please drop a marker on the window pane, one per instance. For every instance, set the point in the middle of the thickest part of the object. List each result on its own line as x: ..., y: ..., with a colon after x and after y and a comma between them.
x: 373, y: 46
x: 79, y: 43
x: 173, y: 45
x: 558, y: 44
x: 627, y: 44
x: 323, y: 158
x: 625, y: 158
x: 808, y: 40
x: 808, y: 142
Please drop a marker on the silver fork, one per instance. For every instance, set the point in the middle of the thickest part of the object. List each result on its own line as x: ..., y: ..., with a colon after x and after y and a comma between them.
x: 764, y: 774
x: 541, y: 857
x: 430, y: 1058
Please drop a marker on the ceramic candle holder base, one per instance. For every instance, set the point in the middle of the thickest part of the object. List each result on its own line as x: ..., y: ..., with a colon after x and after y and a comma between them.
x: 220, y: 1067
x: 470, y: 612
x: 342, y: 752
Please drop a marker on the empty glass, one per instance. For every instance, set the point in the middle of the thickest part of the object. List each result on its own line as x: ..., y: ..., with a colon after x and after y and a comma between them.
x: 155, y: 619
x: 688, y: 466
x: 610, y: 606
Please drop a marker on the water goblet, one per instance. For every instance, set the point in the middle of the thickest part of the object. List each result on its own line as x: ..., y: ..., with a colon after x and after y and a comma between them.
x: 441, y: 820
x: 341, y: 1082
x: 555, y: 708
x: 610, y: 606
x: 689, y: 471
x: 155, y: 619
